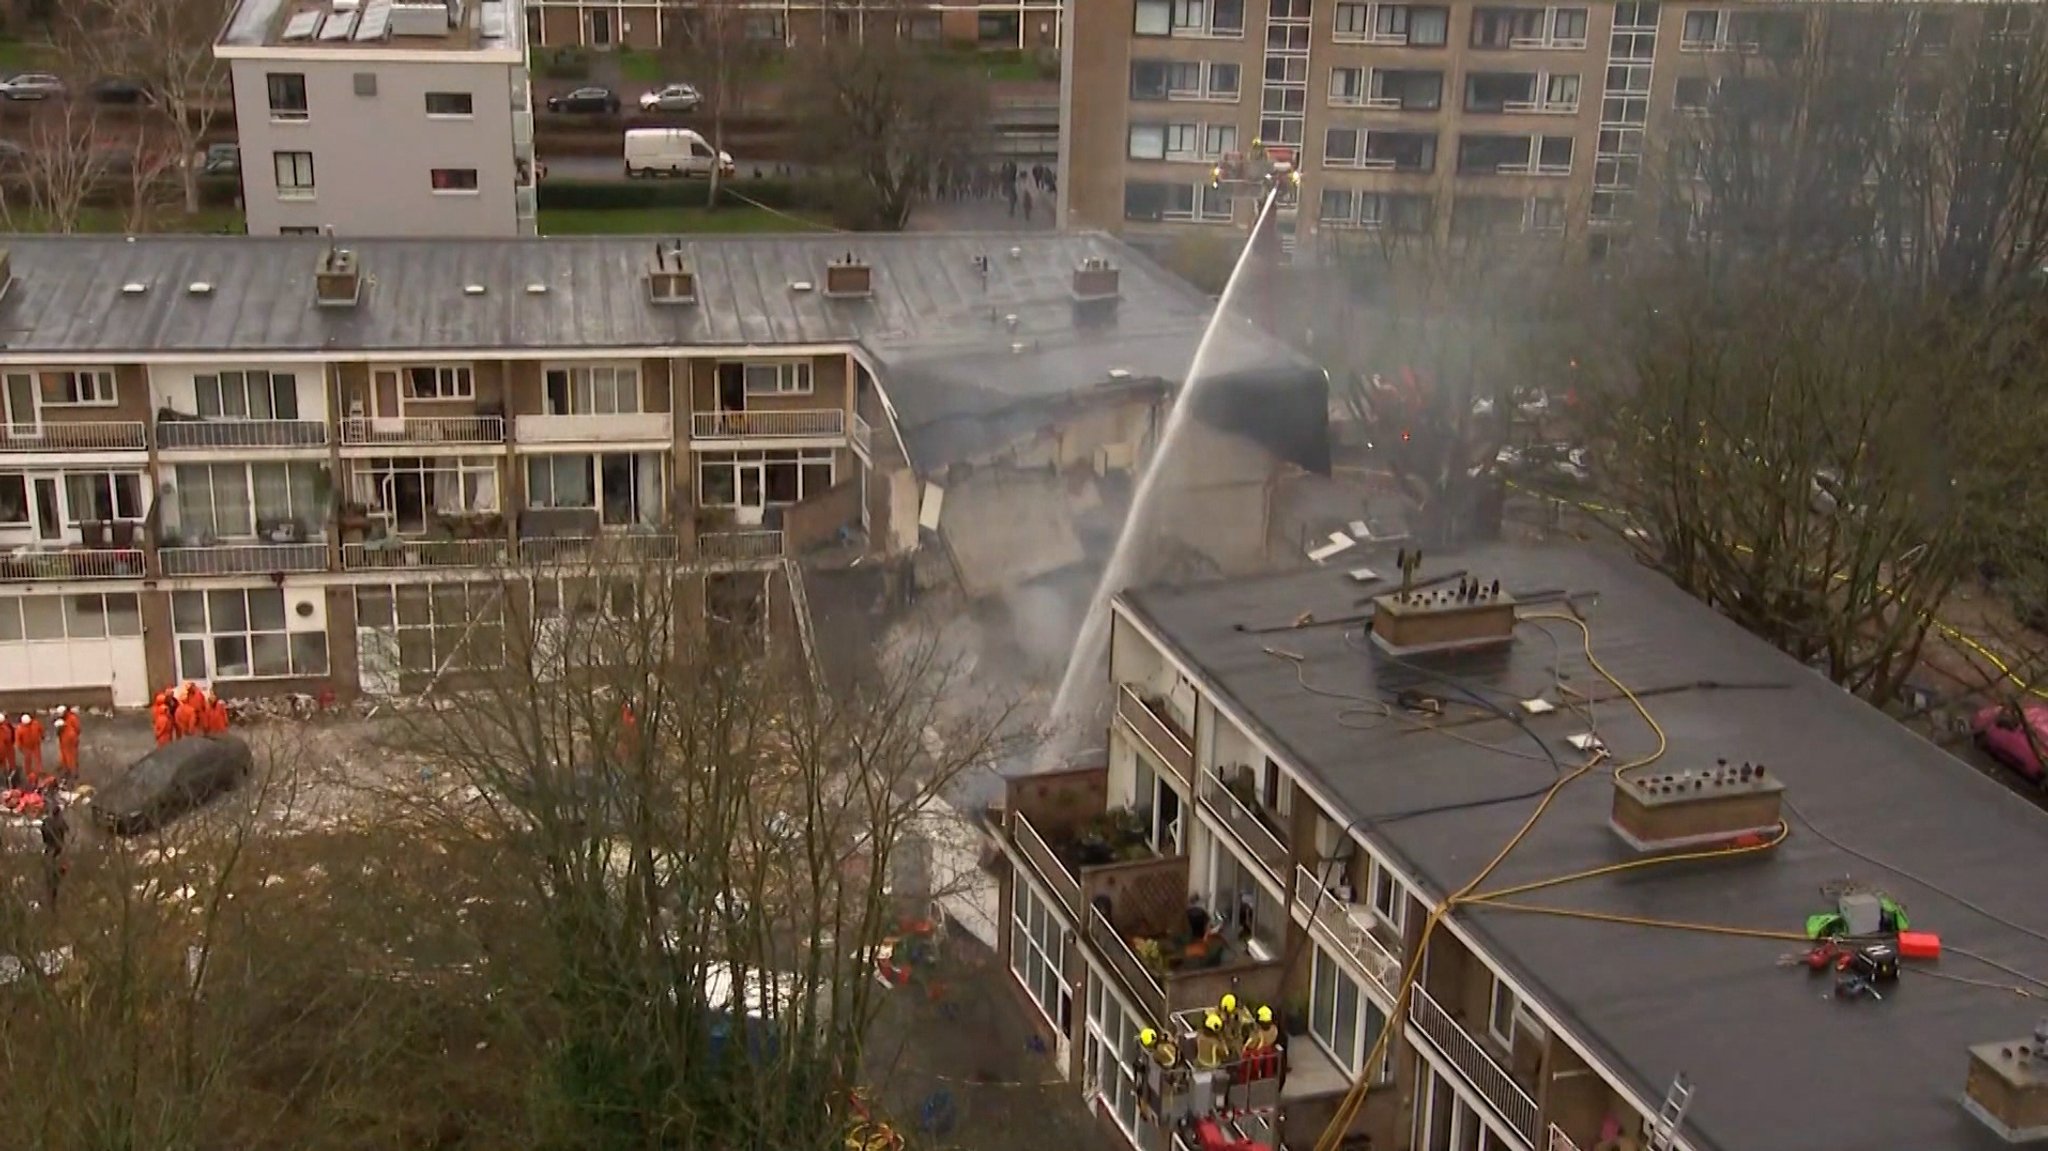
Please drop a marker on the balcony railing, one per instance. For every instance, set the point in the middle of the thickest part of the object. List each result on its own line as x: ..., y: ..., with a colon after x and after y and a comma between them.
x: 863, y: 435
x: 424, y: 430
x: 1335, y: 923
x: 1559, y: 1141
x: 1493, y: 1083
x: 804, y: 422
x: 243, y: 559
x: 739, y: 547
x: 1245, y: 825
x: 1143, y: 985
x: 75, y: 564
x: 628, y: 548
x: 594, y: 429
x: 404, y: 553
x: 174, y: 434
x: 1033, y: 847
x: 1153, y: 731
x: 108, y: 436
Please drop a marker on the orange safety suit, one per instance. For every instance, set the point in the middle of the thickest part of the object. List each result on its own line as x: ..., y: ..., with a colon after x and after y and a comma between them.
x: 6, y: 748
x: 29, y: 737
x: 216, y: 716
x: 185, y: 718
x: 160, y: 718
x: 67, y: 744
x: 629, y: 732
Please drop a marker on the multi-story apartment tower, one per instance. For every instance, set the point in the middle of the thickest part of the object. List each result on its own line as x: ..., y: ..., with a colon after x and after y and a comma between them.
x: 226, y: 459
x: 652, y: 25
x: 1429, y: 120
x: 383, y: 117
x: 1284, y: 813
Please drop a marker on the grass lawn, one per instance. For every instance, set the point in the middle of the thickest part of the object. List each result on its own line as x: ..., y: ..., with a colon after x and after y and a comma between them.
x: 669, y: 221
x: 21, y: 56
x: 640, y: 68
x: 1010, y: 65
x: 114, y: 221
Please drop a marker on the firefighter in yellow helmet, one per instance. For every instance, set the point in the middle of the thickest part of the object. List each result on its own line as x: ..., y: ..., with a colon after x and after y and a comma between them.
x: 1210, y: 1051
x: 1237, y: 1022
x: 1265, y: 1033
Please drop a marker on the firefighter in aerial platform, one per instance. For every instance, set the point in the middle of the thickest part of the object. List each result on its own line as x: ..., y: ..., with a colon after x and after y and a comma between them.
x: 1163, y: 1075
x: 1237, y: 1022
x: 1212, y: 1050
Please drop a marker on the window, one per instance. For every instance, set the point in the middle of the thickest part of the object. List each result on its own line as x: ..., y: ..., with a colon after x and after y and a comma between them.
x: 102, y: 496
x: 766, y: 28
x: 1410, y: 91
x: 1702, y: 30
x: 1184, y: 80
x: 599, y: 390
x: 1554, y: 156
x: 1506, y: 1015
x: 626, y: 487
x: 37, y: 618
x: 294, y: 175
x: 1340, y: 146
x: 1561, y: 93
x: 1499, y: 91
x: 1546, y: 214
x: 1337, y: 207
x: 91, y: 388
x: 1507, y: 27
x: 438, y: 626
x: 1112, y: 1035
x: 1182, y: 141
x: 439, y: 382
x: 1148, y: 80
x: 554, y: 482
x: 1219, y: 140
x: 1400, y: 151
x: 785, y: 476
x: 1568, y: 27
x: 242, y: 633
x: 450, y: 104
x: 1487, y: 155
x: 1345, y: 1021
x: 1214, y: 205
x: 248, y: 501
x: 253, y: 395
x: 1226, y: 17
x: 1347, y: 86
x: 454, y: 179
x: 1038, y: 950
x: 1389, y: 898
x: 1148, y: 142
x: 407, y: 492
x: 287, y: 92
x: 1190, y: 15
x: 787, y: 378
x: 1145, y: 200
x: 1154, y: 18
x: 1353, y: 21
x: 1223, y: 81
x: 1416, y: 26
x: 299, y: 230
x: 1691, y: 93
x: 14, y: 512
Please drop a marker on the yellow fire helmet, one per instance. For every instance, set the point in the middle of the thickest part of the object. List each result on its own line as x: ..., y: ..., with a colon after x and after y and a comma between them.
x: 1213, y: 1022
x: 1265, y: 1015
x: 1147, y: 1037
x: 1229, y: 1003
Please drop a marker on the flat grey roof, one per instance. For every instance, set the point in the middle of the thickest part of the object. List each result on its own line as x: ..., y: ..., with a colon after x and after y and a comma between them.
x: 1778, y: 1065
x: 967, y: 346
x: 317, y: 26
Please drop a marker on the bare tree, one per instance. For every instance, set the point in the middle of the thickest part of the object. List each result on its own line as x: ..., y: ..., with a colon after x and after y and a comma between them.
x: 166, y: 48
x: 719, y: 53
x: 63, y: 166
x: 885, y: 117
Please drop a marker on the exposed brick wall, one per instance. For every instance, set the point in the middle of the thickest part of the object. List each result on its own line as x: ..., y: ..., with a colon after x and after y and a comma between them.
x: 818, y: 520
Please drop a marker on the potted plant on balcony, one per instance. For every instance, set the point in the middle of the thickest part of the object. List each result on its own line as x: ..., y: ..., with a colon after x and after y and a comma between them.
x: 353, y: 521
x: 1153, y: 955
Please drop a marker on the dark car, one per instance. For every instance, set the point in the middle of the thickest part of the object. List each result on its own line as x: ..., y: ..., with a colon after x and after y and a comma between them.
x: 592, y: 99
x: 222, y: 160
x: 118, y: 91
x: 177, y: 778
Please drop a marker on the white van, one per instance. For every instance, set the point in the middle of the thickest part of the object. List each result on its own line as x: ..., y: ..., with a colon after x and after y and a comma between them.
x: 671, y: 152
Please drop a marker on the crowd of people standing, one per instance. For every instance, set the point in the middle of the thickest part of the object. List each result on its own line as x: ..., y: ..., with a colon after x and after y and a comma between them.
x: 1027, y: 188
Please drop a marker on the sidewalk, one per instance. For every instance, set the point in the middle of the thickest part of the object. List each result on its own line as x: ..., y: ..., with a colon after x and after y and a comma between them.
x: 982, y: 216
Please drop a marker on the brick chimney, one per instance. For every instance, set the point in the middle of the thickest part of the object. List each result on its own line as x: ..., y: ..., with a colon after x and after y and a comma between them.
x: 849, y: 277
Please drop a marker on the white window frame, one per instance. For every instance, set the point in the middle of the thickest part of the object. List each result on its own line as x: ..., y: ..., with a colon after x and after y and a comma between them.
x: 212, y: 635
x: 1211, y: 90
x: 804, y: 460
x: 1146, y: 142
x: 1349, y: 217
x: 1357, y: 156
x: 28, y: 502
x: 468, y: 105
x: 1042, y: 976
x: 1546, y: 99
x: 71, y: 613
x: 287, y: 115
x: 136, y: 488
x: 1351, y: 22
x: 293, y: 171
x: 84, y: 388
x: 1504, y: 1000
x: 1112, y: 1078
x: 1201, y: 87
x: 462, y: 643
x: 476, y: 486
x: 1328, y: 974
x: 587, y: 384
x: 239, y: 384
x: 1152, y: 18
x: 476, y: 182
x: 1717, y: 38
x: 1538, y: 167
x: 1218, y: 140
x: 444, y: 382
x: 1388, y: 896
x: 301, y: 498
x: 766, y: 379
x: 1183, y: 142
x: 1359, y: 88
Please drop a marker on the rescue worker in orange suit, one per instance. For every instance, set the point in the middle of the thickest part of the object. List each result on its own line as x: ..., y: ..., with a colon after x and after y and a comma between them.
x: 213, y: 719
x: 67, y: 744
x: 160, y: 717
x: 7, y: 766
x: 629, y: 733
x: 28, y: 737
x: 185, y: 717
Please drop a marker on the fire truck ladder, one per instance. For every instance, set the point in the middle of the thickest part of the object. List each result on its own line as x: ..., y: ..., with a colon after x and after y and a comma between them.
x: 1664, y: 1128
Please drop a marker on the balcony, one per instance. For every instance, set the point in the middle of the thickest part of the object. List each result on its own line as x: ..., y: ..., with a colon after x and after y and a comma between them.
x: 802, y: 423
x: 72, y: 564
x: 740, y: 547
x: 1559, y: 1141
x: 1487, y: 1077
x: 622, y: 427
x: 1156, y: 733
x: 633, y: 547
x: 107, y: 436
x: 243, y: 559
x: 174, y: 435
x: 394, y: 552
x: 359, y: 432
x: 1347, y: 927
x: 1248, y: 821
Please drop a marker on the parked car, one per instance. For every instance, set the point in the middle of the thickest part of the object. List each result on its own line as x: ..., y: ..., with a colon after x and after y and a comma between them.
x: 2014, y: 736
x: 222, y: 160
x: 591, y: 99
x: 116, y: 91
x: 671, y: 152
x: 671, y: 98
x: 179, y: 777
x: 31, y: 86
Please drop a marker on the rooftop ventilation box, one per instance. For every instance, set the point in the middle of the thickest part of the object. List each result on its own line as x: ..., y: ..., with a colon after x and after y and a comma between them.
x: 1454, y: 617
x: 2008, y: 1087
x: 1687, y: 810
x: 849, y: 278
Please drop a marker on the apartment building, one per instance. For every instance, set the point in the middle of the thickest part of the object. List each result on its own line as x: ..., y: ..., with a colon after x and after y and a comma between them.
x: 1406, y: 120
x: 651, y: 25
x: 383, y: 117
x: 226, y: 458
x: 1321, y: 790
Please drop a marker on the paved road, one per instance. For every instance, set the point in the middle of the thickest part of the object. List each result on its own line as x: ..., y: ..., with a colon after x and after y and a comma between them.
x: 606, y: 168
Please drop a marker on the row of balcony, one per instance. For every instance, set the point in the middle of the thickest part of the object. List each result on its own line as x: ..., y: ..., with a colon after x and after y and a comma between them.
x: 355, y: 431
x: 391, y: 554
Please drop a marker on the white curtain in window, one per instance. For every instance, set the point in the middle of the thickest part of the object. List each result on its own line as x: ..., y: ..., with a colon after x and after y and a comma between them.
x: 1429, y: 25
x: 273, y: 492
x: 481, y: 488
x: 447, y: 491
x: 648, y: 467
